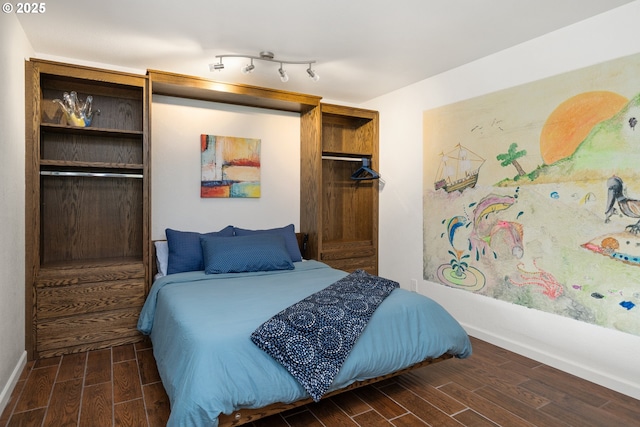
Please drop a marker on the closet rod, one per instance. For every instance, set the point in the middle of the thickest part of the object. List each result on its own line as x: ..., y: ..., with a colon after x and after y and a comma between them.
x: 344, y: 158
x: 92, y: 174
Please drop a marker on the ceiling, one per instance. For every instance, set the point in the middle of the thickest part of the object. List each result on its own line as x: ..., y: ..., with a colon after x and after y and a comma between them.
x: 363, y: 48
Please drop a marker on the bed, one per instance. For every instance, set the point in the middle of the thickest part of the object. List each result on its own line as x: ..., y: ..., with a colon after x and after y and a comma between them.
x: 202, y: 325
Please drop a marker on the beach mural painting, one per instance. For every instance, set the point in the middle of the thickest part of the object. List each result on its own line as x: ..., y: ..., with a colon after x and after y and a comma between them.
x: 230, y: 166
x: 532, y: 195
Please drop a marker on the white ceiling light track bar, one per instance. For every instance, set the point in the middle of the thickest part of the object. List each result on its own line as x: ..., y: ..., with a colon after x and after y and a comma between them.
x: 269, y: 57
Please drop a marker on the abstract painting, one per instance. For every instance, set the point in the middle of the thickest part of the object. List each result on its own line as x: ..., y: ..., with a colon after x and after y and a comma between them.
x: 230, y: 166
x: 531, y: 195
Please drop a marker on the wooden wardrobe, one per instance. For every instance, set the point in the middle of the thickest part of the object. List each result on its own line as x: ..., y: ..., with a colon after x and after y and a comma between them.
x: 340, y: 213
x: 87, y: 210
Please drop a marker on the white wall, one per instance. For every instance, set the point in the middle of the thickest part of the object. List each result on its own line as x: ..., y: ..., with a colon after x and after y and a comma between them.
x: 175, y: 138
x: 601, y: 355
x: 14, y: 48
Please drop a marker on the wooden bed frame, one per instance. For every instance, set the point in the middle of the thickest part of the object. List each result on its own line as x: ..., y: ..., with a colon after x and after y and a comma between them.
x: 244, y: 416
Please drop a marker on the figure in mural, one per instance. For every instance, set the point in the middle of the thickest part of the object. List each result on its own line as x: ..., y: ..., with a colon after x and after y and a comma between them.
x: 628, y: 207
x: 458, y: 263
x: 486, y: 228
x: 459, y: 169
x: 508, y: 234
x: 540, y: 278
x: 458, y: 273
x: 488, y: 233
x: 622, y: 246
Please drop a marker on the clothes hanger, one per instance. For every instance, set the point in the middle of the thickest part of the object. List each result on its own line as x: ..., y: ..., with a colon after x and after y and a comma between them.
x: 365, y: 172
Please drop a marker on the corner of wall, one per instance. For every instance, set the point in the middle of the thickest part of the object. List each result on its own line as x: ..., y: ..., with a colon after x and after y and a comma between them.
x: 14, y: 48
x: 5, y: 395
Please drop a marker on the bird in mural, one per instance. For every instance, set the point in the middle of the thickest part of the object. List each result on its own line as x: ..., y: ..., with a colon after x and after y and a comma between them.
x: 628, y: 207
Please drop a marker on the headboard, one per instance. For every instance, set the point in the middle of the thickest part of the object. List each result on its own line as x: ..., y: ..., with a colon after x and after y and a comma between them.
x: 303, y: 239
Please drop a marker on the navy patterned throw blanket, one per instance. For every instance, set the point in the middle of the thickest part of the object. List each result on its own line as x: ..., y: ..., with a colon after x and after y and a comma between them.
x: 313, y: 337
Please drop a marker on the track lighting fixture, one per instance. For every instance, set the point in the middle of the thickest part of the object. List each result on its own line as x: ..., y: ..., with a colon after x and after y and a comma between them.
x: 266, y: 56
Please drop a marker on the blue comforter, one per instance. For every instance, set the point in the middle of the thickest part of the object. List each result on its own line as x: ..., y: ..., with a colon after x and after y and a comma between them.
x: 200, y: 326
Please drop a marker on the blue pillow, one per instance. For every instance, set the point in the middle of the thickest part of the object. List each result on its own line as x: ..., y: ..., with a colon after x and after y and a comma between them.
x: 185, y: 251
x: 259, y: 252
x: 288, y: 232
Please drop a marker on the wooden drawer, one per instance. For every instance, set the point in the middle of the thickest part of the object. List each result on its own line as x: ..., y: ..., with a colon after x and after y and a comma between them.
x: 348, y: 253
x: 87, y: 307
x: 368, y: 264
x: 85, y: 332
x: 62, y: 301
x: 88, y: 273
x: 347, y: 249
x: 351, y: 255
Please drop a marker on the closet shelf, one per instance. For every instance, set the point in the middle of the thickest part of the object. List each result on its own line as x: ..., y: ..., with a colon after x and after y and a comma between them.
x: 351, y: 154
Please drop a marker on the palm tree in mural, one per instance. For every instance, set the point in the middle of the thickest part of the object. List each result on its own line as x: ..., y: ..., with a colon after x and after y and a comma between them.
x: 511, y: 158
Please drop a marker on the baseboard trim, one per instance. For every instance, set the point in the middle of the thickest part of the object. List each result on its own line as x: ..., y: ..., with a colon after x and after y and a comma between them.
x: 5, y: 396
x: 620, y: 385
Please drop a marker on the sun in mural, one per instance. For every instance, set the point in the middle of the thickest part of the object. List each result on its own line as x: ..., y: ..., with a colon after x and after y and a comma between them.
x: 570, y: 123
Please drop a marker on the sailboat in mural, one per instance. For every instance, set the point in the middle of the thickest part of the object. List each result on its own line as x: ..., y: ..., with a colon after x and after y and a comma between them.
x: 459, y: 169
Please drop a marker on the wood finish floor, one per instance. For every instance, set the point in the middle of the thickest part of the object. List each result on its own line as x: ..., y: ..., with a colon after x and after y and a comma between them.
x: 121, y: 387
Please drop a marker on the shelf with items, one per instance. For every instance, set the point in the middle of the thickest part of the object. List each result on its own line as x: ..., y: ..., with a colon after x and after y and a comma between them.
x: 116, y: 106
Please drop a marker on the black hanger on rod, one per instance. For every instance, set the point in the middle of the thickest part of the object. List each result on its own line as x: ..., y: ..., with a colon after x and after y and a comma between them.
x: 365, y: 172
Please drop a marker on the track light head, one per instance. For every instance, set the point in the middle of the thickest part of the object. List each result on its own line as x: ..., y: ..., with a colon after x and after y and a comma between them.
x: 312, y: 74
x: 248, y: 68
x: 284, y: 77
x: 218, y: 66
